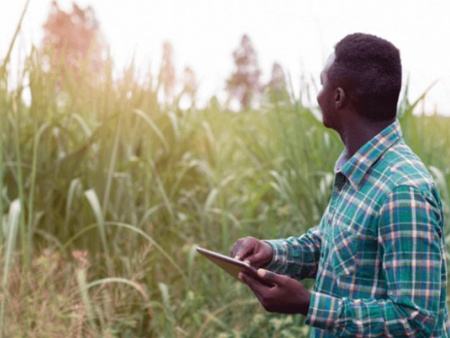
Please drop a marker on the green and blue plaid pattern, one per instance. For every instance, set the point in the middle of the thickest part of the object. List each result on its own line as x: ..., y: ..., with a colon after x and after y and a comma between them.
x: 378, y: 255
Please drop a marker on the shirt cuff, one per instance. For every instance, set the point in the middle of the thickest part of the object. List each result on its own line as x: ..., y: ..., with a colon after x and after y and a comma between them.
x: 323, y: 311
x: 279, y: 255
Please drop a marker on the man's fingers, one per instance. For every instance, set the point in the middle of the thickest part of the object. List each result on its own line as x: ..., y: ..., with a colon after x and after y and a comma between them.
x: 237, y: 249
x: 241, y: 253
x: 257, y: 287
x: 258, y: 259
x: 269, y: 276
x: 243, y: 250
x: 250, y: 253
x: 262, y: 285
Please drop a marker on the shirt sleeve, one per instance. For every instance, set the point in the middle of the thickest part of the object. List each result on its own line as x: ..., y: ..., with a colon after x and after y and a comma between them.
x: 297, y: 257
x: 410, y: 239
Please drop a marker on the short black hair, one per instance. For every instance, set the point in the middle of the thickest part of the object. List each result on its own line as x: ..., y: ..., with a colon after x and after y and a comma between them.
x: 370, y: 71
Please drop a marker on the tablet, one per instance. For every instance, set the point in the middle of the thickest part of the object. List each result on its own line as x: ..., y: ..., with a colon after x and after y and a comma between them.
x: 230, y: 265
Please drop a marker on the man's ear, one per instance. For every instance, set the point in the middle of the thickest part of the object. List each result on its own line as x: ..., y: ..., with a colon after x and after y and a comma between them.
x: 339, y: 97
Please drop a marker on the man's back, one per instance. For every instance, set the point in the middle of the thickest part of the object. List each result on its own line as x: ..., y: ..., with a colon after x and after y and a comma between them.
x: 382, y: 241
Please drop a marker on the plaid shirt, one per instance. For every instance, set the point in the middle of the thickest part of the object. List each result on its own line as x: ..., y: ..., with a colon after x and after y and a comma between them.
x: 378, y: 254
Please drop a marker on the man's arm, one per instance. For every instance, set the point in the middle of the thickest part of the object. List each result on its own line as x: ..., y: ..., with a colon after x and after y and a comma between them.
x: 297, y: 257
x: 410, y: 237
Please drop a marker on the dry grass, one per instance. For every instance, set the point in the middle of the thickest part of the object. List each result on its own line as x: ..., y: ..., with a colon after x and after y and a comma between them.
x: 110, y: 191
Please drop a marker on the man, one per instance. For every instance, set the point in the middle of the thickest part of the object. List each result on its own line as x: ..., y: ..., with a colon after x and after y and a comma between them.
x: 378, y: 254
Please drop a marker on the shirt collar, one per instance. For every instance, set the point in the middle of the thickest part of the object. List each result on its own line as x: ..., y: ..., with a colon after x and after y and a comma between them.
x: 355, y: 168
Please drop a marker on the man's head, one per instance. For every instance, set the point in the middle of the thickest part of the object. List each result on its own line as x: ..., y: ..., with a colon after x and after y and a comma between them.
x: 368, y: 71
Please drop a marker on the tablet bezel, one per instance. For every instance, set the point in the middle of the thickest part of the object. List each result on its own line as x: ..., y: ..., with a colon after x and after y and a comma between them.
x: 229, y: 264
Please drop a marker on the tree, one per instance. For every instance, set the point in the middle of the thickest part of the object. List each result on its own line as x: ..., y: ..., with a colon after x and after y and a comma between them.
x: 188, y: 93
x: 166, y: 77
x: 244, y: 83
x: 276, y: 88
x: 73, y: 40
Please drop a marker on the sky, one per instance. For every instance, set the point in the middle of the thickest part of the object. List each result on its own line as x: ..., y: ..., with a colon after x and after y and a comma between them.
x: 298, y: 34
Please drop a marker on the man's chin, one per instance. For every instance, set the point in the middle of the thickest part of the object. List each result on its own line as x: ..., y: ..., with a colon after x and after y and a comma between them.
x: 325, y: 123
x: 328, y: 125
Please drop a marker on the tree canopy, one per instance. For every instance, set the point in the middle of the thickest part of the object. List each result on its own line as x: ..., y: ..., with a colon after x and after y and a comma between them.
x: 244, y: 83
x: 73, y: 39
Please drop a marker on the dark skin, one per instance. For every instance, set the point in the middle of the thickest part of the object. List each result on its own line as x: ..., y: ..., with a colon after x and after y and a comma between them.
x: 287, y: 295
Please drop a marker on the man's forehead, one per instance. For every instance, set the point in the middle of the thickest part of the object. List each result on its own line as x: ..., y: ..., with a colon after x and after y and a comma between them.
x: 330, y: 61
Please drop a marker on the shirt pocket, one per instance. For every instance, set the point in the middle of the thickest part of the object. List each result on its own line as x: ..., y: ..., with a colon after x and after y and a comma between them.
x: 344, y: 250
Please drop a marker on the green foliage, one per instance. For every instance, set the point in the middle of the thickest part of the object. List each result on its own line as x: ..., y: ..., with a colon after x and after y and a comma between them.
x: 105, y: 194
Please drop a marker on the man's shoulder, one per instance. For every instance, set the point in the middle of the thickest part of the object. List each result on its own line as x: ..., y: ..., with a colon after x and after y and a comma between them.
x: 399, y: 166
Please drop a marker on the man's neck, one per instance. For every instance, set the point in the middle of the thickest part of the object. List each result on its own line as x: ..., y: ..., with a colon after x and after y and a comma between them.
x: 355, y: 135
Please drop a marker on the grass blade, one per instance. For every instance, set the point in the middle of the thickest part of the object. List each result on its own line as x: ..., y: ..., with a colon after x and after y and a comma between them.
x: 136, y: 230
x: 11, y: 45
x: 12, y: 227
x: 95, y: 205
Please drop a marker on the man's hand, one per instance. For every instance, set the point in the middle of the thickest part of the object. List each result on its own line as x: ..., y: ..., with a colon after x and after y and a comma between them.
x: 286, y: 295
x: 253, y: 251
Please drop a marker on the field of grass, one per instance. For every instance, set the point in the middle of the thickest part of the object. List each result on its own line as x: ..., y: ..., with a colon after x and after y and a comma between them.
x: 106, y: 192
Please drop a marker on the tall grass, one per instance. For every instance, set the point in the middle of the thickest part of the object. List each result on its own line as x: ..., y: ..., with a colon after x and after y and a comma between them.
x: 105, y: 194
